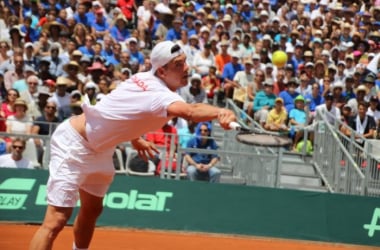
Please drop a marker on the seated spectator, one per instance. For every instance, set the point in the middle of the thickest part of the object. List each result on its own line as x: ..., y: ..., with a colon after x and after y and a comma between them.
x: 363, y: 124
x: 242, y: 80
x: 277, y: 117
x: 15, y: 158
x: 7, y: 107
x: 374, y: 109
x: 298, y: 119
x: 44, y: 125
x: 211, y: 83
x: 315, y: 98
x: 263, y: 103
x: 289, y: 94
x: 62, y: 98
x: 194, y: 93
x: 20, y: 122
x: 119, y: 32
x: 329, y: 110
x: 202, y: 166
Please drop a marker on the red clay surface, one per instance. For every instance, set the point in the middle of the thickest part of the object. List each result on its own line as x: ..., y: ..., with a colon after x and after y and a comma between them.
x: 17, y: 237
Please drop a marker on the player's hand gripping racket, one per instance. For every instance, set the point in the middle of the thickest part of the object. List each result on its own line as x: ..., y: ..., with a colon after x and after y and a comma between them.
x: 257, y: 137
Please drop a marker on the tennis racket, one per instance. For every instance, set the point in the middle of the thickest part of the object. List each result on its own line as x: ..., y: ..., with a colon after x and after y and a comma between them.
x: 260, y: 137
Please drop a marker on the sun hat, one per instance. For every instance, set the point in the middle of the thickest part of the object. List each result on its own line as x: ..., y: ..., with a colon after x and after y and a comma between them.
x: 163, y: 53
x: 21, y: 102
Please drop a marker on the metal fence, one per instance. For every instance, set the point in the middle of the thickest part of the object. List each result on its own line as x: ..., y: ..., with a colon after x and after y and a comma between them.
x: 345, y: 165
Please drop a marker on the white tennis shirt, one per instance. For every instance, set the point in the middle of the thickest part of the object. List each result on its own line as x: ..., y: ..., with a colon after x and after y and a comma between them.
x: 135, y: 107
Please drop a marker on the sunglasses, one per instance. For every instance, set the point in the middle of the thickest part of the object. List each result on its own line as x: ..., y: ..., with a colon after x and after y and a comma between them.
x: 17, y: 147
x: 50, y: 107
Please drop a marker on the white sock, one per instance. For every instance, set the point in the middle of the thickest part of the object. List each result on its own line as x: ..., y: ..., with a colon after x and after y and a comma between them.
x: 75, y: 247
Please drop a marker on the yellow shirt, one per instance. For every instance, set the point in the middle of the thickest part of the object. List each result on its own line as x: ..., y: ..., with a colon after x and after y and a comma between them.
x: 277, y: 118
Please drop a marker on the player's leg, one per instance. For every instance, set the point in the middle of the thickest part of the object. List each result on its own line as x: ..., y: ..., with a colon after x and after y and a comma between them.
x: 54, y: 221
x: 84, y: 225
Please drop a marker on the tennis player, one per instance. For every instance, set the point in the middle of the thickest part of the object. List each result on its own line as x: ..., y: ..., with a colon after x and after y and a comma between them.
x: 82, y: 147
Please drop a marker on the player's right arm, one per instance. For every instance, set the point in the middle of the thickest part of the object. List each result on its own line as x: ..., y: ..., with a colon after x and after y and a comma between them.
x: 200, y: 112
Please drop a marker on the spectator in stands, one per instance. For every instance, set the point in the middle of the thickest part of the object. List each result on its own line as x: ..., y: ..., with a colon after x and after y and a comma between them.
x: 374, y: 109
x: 86, y: 48
x: 337, y: 90
x: 289, y: 94
x: 242, y: 80
x: 30, y: 96
x: 20, y: 122
x: 211, y: 83
x: 298, y: 119
x: 223, y: 57
x: 201, y: 166
x: 7, y: 107
x: 62, y: 98
x: 277, y: 117
x: 119, y: 32
x: 15, y: 158
x: 56, y: 63
x: 315, y: 98
x: 4, y: 48
x: 72, y: 70
x: 229, y: 72
x: 136, y: 56
x: 329, y: 110
x: 263, y: 103
x: 194, y: 93
x: 203, y: 61
x: 29, y: 58
x: 363, y: 124
x: 361, y: 91
x: 99, y: 26
x: 90, y: 90
x: 44, y: 125
x: 17, y: 74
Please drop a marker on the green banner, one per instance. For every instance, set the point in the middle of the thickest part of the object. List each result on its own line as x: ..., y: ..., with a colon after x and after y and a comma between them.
x: 197, y: 206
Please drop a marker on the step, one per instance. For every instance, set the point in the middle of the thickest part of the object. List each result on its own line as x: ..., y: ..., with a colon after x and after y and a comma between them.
x: 320, y: 189
x: 298, y: 170
x: 300, y: 181
x: 225, y: 179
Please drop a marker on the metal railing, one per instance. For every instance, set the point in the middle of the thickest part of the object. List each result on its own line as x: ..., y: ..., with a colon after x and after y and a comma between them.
x: 345, y: 165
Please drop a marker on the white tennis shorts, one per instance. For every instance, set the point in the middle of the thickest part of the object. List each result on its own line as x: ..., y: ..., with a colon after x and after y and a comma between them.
x: 74, y: 165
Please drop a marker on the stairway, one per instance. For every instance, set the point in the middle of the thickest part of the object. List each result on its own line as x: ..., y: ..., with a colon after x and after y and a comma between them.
x: 297, y: 171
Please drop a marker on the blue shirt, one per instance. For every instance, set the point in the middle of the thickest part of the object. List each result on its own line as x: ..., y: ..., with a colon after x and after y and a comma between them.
x: 100, y: 26
x: 262, y: 100
x: 298, y: 115
x: 34, y: 35
x: 288, y: 99
x: 119, y: 35
x: 83, y: 20
x: 230, y: 70
x: 138, y: 56
x: 199, y: 157
x: 86, y: 51
x: 314, y: 102
x: 173, y: 35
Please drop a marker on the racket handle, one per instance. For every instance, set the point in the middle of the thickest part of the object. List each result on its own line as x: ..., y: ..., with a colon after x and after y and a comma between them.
x: 235, y: 126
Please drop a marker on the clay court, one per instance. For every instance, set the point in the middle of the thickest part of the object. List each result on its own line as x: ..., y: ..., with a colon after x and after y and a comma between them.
x: 17, y: 237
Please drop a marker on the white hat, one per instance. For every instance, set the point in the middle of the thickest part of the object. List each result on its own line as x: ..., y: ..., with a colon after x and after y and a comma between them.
x: 338, y: 84
x: 289, y: 49
x: 325, y: 53
x: 205, y: 29
x: 162, y: 54
x: 90, y: 85
x: 264, y: 13
x: 196, y: 76
x: 28, y: 44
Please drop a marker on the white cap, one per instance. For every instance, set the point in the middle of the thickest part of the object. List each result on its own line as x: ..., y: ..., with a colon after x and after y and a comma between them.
x: 28, y: 44
x: 325, y: 53
x: 162, y: 54
x: 205, y: 29
x: 196, y: 76
x: 90, y: 85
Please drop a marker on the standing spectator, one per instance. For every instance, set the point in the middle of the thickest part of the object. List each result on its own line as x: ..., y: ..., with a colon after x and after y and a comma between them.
x: 15, y: 158
x: 329, y: 110
x: 202, y: 166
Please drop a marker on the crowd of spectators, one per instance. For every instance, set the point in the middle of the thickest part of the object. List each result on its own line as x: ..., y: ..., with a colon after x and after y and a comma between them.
x: 53, y: 53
